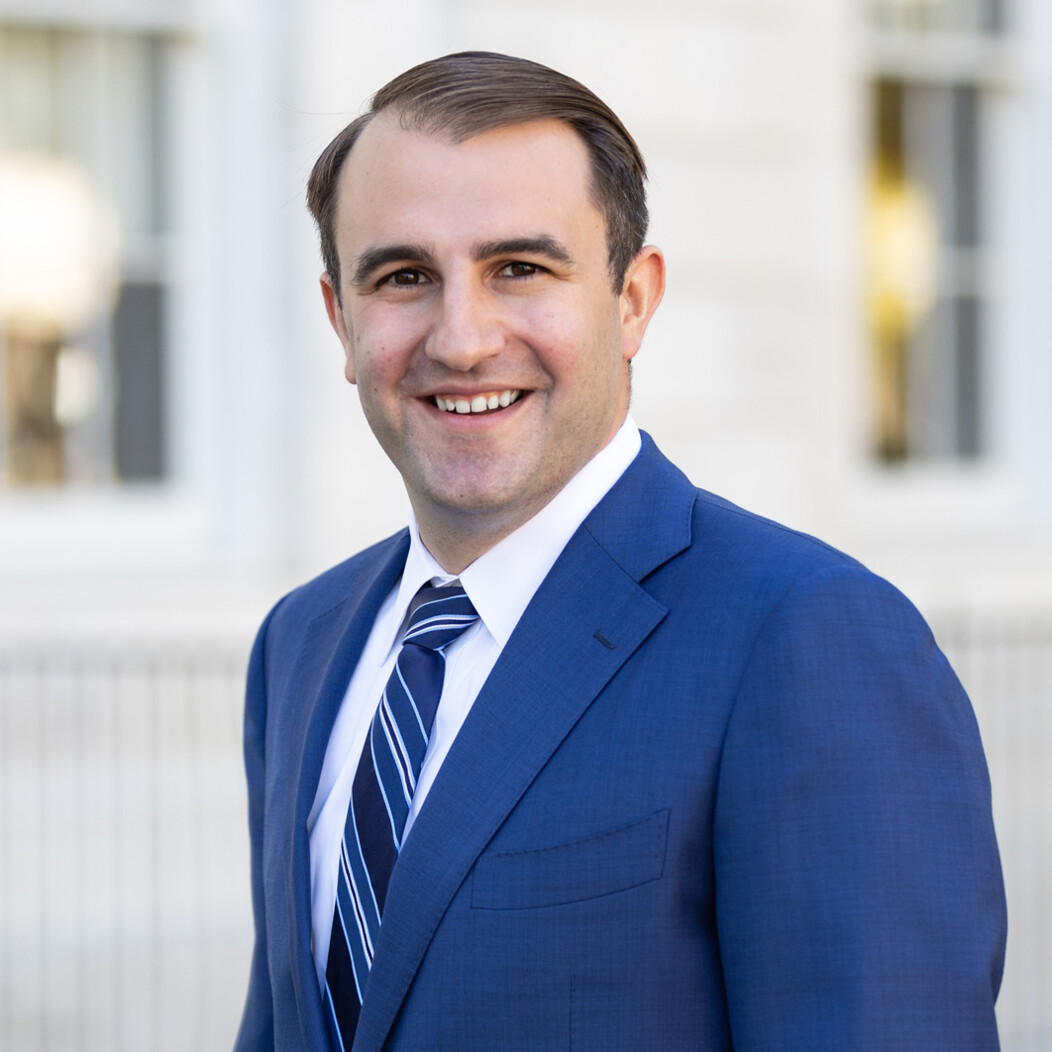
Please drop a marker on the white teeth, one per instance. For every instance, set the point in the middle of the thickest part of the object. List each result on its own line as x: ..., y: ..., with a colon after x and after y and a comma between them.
x: 477, y: 404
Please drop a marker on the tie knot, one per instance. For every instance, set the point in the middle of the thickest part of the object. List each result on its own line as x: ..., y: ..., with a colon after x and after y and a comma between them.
x: 438, y: 615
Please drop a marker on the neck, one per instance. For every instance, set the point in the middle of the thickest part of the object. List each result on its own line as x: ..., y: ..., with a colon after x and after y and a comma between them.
x: 456, y: 545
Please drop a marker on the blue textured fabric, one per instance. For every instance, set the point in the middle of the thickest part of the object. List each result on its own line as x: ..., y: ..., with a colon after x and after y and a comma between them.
x: 382, y: 794
x: 720, y: 791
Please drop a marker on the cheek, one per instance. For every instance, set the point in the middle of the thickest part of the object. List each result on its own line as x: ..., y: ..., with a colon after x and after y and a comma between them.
x: 555, y: 336
x: 384, y: 344
x: 577, y: 318
x: 378, y: 373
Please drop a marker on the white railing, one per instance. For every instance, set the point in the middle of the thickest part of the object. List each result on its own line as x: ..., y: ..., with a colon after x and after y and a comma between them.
x: 1005, y: 662
x: 124, y: 901
x: 123, y: 848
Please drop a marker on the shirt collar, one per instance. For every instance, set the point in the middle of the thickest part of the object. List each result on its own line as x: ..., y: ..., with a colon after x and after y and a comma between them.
x: 501, y: 582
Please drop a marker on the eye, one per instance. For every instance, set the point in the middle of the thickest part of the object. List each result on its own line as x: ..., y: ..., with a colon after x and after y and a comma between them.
x: 407, y: 277
x: 519, y: 269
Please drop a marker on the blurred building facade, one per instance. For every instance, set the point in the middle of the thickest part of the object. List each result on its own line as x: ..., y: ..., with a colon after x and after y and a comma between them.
x: 852, y: 197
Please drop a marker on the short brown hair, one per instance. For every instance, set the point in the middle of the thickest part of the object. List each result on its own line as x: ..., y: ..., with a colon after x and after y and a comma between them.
x: 471, y: 92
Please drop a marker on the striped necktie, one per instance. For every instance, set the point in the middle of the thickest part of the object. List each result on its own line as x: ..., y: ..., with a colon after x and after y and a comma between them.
x: 382, y: 794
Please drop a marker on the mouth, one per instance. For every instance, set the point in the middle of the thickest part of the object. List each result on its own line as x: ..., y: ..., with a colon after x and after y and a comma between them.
x: 480, y: 403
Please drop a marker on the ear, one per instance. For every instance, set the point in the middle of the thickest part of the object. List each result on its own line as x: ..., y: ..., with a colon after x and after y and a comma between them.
x: 643, y: 288
x: 338, y: 322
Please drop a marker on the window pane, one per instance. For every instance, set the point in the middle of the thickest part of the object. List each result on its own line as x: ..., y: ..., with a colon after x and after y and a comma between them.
x: 969, y: 419
x: 139, y: 419
x: 28, y: 90
x: 937, y: 16
x: 940, y: 152
x: 135, y: 133
x: 96, y: 101
x: 965, y: 229
x: 926, y: 285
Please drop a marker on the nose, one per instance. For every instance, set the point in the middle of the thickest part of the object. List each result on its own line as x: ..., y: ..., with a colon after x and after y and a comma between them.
x: 468, y: 328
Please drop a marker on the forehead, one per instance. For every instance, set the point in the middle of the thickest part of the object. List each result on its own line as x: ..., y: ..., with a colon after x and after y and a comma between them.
x: 530, y: 173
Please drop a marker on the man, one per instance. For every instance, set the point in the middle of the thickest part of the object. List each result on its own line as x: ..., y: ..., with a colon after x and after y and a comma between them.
x: 695, y: 781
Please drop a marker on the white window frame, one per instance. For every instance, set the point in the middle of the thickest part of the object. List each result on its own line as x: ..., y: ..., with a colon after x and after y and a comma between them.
x: 217, y: 505
x: 971, y: 499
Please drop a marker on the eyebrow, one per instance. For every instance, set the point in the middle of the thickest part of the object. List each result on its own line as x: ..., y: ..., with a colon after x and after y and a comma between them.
x: 542, y: 245
x: 373, y: 258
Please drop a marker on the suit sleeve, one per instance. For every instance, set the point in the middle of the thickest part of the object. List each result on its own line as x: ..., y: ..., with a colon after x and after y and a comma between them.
x: 859, y: 895
x: 257, y: 1022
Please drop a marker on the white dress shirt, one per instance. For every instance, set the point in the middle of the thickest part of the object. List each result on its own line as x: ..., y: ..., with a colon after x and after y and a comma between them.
x: 500, y: 584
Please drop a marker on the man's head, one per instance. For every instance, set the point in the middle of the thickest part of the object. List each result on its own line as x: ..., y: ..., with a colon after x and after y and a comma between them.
x: 469, y: 281
x: 461, y: 95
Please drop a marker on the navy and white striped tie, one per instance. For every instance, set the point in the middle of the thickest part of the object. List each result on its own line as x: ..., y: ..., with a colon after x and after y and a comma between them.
x: 381, y: 796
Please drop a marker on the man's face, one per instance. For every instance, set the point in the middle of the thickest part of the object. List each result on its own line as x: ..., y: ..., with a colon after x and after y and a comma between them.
x: 478, y: 319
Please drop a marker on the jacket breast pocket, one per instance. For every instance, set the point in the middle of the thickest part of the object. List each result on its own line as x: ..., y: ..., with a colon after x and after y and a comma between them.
x: 603, y: 864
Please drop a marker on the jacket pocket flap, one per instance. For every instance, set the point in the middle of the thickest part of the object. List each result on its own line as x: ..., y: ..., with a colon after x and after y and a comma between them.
x: 585, y: 869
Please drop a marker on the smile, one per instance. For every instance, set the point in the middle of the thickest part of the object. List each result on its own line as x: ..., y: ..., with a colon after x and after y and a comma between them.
x: 479, y: 403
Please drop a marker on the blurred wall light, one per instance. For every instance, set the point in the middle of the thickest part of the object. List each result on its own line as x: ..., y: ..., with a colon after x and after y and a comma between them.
x: 902, y: 253
x: 902, y: 245
x: 58, y: 271
x: 58, y: 248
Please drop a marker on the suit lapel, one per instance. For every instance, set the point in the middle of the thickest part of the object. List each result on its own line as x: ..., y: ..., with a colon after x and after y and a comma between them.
x: 341, y: 633
x: 586, y: 620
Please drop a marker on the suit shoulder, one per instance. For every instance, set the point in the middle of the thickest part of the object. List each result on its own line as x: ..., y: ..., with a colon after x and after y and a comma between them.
x: 752, y: 556
x: 726, y: 529
x: 655, y: 521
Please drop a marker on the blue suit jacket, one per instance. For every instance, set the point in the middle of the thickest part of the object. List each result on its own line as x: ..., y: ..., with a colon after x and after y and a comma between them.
x: 721, y: 789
